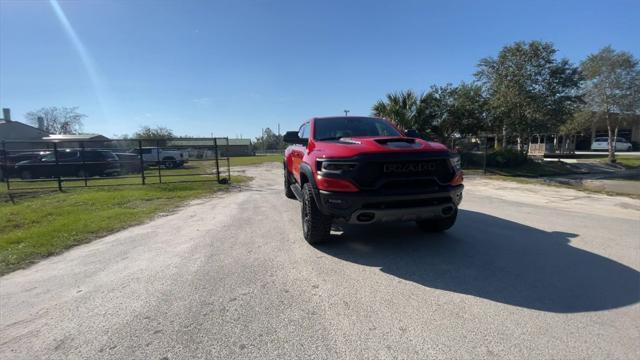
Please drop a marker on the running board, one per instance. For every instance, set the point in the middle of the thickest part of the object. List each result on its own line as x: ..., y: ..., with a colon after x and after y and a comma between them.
x: 296, y: 191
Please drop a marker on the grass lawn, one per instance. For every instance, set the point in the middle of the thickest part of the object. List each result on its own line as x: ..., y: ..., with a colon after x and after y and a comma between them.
x: 254, y: 160
x: 38, y: 226
x: 530, y: 170
x: 628, y: 161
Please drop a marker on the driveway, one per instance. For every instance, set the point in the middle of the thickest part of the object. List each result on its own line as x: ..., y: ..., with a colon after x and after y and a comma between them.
x: 528, y: 272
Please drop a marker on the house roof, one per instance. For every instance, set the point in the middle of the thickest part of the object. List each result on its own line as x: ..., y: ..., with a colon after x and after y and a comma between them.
x: 15, y: 130
x: 75, y: 137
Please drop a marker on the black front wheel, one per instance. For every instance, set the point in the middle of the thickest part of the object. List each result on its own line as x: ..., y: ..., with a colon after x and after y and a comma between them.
x: 438, y: 224
x: 169, y: 163
x: 316, y: 226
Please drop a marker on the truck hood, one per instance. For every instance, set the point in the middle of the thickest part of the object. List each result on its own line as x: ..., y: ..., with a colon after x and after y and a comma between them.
x: 352, y: 146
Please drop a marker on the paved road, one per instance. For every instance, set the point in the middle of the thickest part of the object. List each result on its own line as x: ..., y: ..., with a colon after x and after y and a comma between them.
x: 528, y: 272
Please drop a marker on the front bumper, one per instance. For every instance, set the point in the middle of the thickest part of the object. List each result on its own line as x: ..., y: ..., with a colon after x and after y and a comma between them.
x: 370, y: 207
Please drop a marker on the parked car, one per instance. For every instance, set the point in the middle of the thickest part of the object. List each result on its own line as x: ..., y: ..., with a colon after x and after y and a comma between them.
x: 8, y: 164
x: 70, y: 163
x: 363, y: 170
x: 602, y: 143
x: 129, y: 163
x: 169, y: 158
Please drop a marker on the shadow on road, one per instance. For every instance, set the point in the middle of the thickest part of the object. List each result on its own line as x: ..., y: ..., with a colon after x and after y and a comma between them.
x: 495, y: 259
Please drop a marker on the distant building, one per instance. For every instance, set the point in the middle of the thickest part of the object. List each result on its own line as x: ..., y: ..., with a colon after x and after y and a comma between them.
x: 628, y: 129
x: 11, y: 130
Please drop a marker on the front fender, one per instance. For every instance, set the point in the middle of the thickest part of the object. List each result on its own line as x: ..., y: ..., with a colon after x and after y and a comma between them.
x: 308, y: 172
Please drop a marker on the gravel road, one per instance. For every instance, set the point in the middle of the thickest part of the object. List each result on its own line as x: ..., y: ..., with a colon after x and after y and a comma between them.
x: 528, y: 272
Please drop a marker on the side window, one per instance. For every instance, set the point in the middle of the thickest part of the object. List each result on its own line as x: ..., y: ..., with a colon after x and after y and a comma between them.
x: 49, y: 158
x: 68, y: 155
x: 107, y: 155
x: 146, y: 151
x: 90, y: 156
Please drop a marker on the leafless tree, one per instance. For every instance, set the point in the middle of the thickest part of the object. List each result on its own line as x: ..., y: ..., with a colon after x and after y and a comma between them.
x: 58, y: 120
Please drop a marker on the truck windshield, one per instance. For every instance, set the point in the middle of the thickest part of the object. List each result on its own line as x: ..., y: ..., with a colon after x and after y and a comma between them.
x: 340, y: 127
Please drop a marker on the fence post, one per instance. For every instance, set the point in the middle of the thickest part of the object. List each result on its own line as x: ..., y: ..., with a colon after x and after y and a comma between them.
x: 484, y: 157
x: 229, y: 162
x: 144, y: 182
x: 158, y: 160
x: 215, y: 149
x: 5, y: 172
x: 57, y: 165
x: 84, y: 167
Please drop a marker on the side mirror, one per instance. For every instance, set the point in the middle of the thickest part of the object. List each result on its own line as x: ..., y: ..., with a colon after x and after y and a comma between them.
x: 412, y: 133
x: 291, y: 137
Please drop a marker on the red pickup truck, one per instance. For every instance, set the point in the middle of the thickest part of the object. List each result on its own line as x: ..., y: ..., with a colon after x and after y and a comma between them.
x: 363, y: 170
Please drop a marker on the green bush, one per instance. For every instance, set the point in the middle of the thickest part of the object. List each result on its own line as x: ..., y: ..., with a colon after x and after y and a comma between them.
x: 471, y: 160
x: 506, y: 158
x: 496, y: 159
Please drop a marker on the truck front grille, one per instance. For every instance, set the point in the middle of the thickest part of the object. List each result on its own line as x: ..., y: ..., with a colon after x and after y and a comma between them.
x: 404, y: 172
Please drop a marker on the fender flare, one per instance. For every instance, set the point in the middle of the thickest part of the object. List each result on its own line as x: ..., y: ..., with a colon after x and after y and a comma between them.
x: 306, y: 170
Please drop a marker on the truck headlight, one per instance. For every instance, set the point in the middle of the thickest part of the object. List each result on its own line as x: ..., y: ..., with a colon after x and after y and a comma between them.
x: 336, y: 166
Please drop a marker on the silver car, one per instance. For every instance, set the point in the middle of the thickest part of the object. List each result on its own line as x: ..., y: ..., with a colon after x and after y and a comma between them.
x: 602, y: 143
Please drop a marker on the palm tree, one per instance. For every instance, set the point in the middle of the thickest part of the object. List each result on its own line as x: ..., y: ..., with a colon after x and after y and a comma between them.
x: 407, y: 110
x: 399, y: 108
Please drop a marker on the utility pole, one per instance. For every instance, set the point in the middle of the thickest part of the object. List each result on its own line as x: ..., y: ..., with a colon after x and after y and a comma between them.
x: 346, y: 112
x: 278, y: 129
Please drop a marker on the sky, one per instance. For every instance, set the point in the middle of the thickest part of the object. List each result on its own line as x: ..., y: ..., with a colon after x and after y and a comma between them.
x: 232, y: 68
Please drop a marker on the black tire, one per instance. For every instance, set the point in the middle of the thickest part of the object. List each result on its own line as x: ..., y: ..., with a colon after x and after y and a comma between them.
x: 26, y: 175
x: 169, y: 163
x: 287, y: 187
x: 439, y: 224
x: 316, y: 226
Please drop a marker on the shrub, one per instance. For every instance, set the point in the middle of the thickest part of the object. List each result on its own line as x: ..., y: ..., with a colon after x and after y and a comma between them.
x: 506, y: 158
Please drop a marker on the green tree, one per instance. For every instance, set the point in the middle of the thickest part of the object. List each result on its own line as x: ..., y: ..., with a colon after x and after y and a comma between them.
x: 469, y: 112
x: 406, y: 110
x: 529, y: 91
x: 611, y: 89
x: 149, y: 133
x: 57, y: 120
x: 459, y: 110
x: 269, y: 141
